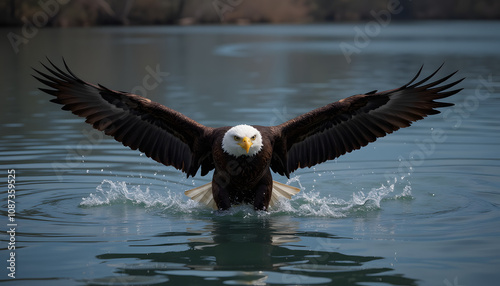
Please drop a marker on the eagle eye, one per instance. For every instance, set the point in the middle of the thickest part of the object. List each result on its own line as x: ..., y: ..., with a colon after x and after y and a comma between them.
x: 236, y: 138
x: 254, y: 137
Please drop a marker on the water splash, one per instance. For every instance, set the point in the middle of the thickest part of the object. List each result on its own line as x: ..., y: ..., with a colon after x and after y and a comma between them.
x: 306, y: 203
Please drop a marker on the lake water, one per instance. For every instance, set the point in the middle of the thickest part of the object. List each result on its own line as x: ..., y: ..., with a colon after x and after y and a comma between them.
x: 412, y: 208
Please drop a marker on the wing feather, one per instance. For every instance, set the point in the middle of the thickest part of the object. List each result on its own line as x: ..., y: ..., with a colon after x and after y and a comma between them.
x: 349, y: 124
x: 163, y: 134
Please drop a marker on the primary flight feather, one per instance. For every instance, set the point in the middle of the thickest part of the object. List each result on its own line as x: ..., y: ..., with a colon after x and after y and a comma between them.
x: 243, y: 156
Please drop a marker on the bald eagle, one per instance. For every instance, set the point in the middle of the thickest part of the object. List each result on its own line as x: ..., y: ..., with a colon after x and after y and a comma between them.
x: 243, y: 156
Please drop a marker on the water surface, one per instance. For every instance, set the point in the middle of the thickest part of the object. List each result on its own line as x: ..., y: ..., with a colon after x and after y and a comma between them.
x: 419, y: 207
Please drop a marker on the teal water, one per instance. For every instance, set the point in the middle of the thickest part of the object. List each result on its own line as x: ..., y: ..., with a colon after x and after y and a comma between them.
x: 418, y: 207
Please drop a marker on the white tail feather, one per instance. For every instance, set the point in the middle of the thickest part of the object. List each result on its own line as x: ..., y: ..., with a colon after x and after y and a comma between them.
x: 282, y: 191
x: 203, y: 194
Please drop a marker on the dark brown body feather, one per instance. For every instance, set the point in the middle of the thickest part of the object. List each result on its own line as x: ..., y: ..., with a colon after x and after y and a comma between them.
x: 244, y: 179
x: 173, y: 139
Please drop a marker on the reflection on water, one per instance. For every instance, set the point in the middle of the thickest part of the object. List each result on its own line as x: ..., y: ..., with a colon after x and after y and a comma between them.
x: 257, y: 251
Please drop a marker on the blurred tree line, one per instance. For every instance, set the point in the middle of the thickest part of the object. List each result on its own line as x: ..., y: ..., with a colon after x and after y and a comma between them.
x: 184, y: 12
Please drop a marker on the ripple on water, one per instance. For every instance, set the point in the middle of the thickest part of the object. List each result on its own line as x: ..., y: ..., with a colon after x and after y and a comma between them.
x: 130, y: 280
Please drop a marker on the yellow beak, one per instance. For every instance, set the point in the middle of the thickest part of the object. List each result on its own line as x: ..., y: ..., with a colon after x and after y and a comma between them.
x: 246, y: 143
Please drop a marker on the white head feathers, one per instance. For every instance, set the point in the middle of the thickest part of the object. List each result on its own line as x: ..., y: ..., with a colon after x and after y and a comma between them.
x: 242, y: 140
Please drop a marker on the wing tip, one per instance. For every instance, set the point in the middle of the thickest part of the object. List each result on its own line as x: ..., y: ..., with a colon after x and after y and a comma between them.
x: 412, y: 84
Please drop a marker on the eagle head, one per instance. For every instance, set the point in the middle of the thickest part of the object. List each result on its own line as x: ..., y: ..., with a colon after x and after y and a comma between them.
x: 242, y: 140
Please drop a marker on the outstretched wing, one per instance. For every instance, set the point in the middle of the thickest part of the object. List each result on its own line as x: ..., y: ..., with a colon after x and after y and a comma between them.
x: 163, y: 134
x: 351, y: 123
